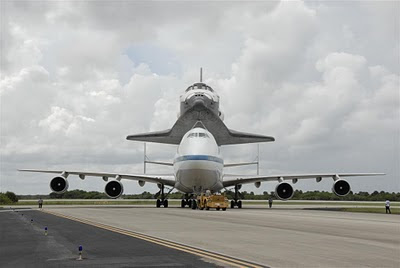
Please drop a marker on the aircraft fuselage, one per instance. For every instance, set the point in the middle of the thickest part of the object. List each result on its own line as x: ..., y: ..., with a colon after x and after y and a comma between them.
x: 198, y: 165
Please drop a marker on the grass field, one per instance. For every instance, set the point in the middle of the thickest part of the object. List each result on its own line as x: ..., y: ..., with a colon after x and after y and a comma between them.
x: 176, y: 201
x: 371, y: 210
x: 366, y: 207
x: 94, y: 202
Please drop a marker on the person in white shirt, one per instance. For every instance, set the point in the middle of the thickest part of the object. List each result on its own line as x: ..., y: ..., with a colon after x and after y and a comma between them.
x: 387, y: 205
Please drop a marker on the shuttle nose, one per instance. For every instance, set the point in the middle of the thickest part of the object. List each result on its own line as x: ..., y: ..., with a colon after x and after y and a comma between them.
x: 198, y: 101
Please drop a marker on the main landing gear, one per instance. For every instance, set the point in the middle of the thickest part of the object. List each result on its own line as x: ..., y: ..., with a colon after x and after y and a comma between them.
x: 189, y: 201
x: 236, y: 202
x: 163, y: 201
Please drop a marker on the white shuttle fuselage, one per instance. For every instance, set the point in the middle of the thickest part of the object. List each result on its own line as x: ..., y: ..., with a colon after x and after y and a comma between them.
x: 198, y: 165
x: 200, y: 93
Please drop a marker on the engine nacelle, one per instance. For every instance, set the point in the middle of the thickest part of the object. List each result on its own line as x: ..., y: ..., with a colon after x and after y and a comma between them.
x: 59, y: 185
x: 114, y: 189
x: 284, y: 191
x: 341, y: 188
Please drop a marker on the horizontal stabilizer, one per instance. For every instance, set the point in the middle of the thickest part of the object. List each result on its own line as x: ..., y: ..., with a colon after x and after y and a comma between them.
x: 159, y: 163
x: 240, y: 164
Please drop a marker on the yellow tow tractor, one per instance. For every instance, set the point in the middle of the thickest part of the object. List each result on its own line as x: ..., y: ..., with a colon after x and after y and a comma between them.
x: 208, y: 200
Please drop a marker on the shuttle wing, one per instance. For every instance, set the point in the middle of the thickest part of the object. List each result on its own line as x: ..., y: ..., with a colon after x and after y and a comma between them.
x: 164, y: 136
x: 105, y: 175
x: 293, y: 177
x: 199, y: 113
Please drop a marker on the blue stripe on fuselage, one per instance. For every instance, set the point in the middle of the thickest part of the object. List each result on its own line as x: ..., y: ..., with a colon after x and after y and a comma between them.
x: 199, y: 157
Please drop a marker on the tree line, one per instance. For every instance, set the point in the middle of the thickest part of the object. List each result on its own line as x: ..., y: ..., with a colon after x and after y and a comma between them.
x: 298, y: 195
x: 8, y: 198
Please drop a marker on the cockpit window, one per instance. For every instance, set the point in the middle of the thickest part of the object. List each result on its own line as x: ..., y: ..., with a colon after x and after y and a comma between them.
x: 199, y: 86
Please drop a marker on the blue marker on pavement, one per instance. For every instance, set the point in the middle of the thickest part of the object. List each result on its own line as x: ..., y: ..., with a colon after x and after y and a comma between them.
x: 80, y: 252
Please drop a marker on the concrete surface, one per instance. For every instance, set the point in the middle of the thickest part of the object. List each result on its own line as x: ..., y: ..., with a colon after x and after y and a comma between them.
x: 274, y: 237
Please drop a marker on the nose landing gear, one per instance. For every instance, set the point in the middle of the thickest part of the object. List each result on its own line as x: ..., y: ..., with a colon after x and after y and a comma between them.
x: 186, y: 201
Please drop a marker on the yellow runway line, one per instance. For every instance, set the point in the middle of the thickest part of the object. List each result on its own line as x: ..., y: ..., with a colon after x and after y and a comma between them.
x: 199, y: 252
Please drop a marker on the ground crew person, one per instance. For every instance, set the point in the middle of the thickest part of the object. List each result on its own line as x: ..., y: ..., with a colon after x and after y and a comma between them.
x: 270, y: 202
x: 40, y: 202
x: 387, y: 206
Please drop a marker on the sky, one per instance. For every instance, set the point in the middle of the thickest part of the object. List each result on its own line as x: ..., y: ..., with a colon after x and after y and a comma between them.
x: 77, y: 77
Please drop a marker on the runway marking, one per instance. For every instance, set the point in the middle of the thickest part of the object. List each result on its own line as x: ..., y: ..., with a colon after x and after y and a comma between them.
x: 188, y: 249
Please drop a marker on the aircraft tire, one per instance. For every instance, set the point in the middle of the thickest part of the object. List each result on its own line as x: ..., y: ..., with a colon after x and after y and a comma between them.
x: 183, y: 203
x: 194, y: 204
x: 239, y: 204
x: 165, y: 203
x: 232, y: 204
x: 158, y: 203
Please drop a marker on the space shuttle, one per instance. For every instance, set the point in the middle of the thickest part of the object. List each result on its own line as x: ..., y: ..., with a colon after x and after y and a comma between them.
x: 199, y: 106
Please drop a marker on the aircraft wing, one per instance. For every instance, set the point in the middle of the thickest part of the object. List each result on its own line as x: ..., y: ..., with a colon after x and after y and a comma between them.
x: 137, y: 177
x: 293, y: 177
x: 211, y: 121
x: 164, y: 136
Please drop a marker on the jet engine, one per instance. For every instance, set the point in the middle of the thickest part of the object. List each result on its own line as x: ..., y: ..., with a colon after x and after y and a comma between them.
x: 59, y: 185
x: 341, y: 188
x: 114, y: 189
x: 284, y: 191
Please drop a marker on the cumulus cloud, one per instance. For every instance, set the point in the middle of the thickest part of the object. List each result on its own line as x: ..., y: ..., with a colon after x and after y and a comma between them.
x: 77, y: 78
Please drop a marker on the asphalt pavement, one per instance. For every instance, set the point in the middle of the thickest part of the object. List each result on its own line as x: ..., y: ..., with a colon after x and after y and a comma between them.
x: 23, y: 243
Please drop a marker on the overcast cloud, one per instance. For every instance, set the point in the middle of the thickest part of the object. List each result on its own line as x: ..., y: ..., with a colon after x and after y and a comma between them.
x: 78, y: 77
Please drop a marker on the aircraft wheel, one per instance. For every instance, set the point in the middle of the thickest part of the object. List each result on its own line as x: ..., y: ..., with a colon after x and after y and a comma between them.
x: 223, y: 209
x: 166, y: 203
x: 194, y: 204
x: 183, y: 203
x: 232, y: 204
x: 239, y: 204
x: 158, y: 203
x: 189, y: 203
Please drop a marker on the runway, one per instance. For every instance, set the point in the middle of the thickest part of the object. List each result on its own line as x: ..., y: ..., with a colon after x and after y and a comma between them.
x: 23, y: 243
x: 272, y: 237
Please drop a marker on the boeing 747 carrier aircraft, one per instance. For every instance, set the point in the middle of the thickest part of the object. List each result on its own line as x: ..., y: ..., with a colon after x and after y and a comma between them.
x: 198, y: 165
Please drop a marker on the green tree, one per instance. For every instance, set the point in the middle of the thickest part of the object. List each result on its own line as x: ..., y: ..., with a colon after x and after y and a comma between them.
x: 13, y: 197
x: 4, y: 200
